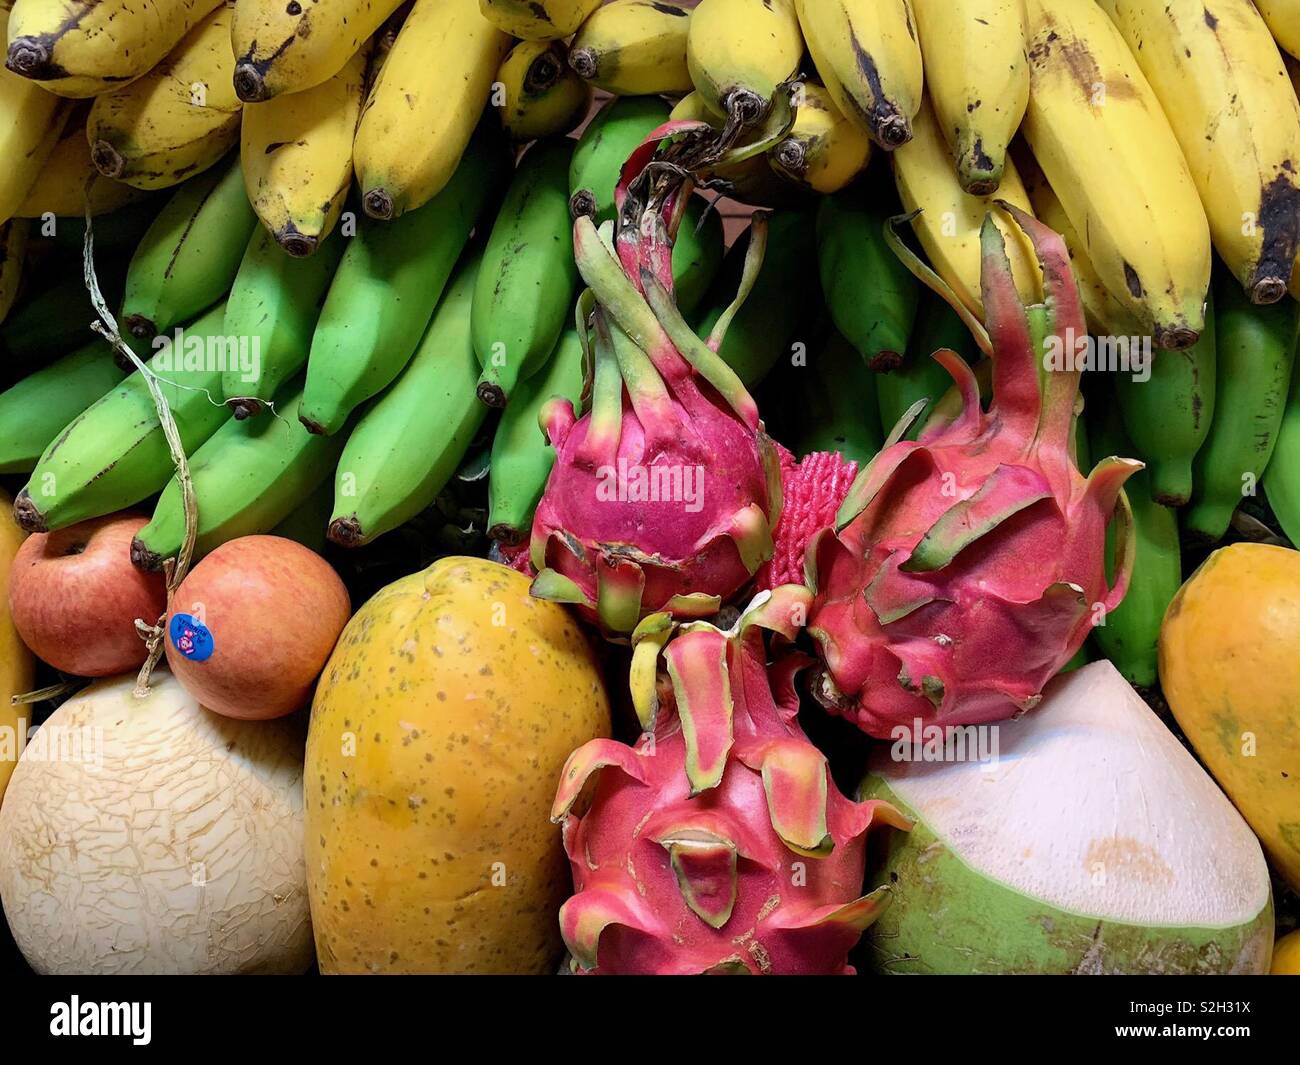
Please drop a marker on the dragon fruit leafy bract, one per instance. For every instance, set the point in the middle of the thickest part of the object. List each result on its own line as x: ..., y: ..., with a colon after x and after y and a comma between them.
x: 719, y: 843
x: 665, y: 492
x: 965, y: 568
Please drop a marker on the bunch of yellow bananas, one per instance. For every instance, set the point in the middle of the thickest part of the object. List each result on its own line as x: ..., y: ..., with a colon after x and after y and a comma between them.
x: 1154, y: 132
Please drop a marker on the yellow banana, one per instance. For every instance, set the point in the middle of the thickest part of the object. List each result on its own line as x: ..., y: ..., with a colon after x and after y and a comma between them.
x: 823, y: 151
x: 1106, y: 315
x: 296, y: 152
x: 948, y: 226
x: 13, y: 249
x: 1293, y: 69
x: 284, y: 47
x: 69, y: 182
x: 538, y: 20
x: 1099, y: 134
x: 424, y: 104
x: 31, y: 120
x: 1219, y: 77
x: 739, y: 51
x: 178, y: 119
x: 536, y: 93
x: 977, y: 78
x: 866, y: 53
x: 1283, y: 18
x: 635, y: 48
x: 753, y: 180
x: 86, y: 47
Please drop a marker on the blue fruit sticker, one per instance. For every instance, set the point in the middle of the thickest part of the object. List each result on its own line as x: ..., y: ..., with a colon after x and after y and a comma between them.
x: 191, y: 638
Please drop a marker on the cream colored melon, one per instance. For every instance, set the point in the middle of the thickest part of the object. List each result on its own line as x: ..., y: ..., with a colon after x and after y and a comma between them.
x: 151, y: 836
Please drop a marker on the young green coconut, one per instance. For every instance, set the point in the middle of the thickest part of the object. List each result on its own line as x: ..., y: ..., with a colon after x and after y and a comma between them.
x: 1091, y: 843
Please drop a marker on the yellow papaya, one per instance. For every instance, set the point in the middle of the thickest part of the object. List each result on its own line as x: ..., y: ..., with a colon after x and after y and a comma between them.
x: 439, y: 729
x: 17, y: 668
x: 1286, y: 956
x: 1231, y: 674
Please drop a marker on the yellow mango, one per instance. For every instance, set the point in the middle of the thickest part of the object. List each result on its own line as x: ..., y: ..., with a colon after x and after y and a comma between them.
x: 437, y: 736
x: 17, y: 668
x: 1230, y: 669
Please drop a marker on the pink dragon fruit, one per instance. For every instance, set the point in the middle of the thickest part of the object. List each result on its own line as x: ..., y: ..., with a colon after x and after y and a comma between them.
x: 965, y: 568
x: 665, y: 492
x: 719, y: 843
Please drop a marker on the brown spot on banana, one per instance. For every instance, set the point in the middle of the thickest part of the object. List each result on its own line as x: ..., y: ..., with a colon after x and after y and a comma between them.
x: 1279, y: 220
x: 1133, y: 282
x: 250, y: 73
x: 890, y: 126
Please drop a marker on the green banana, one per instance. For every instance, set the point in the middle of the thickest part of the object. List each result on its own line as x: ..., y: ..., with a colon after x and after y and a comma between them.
x: 387, y: 286
x: 248, y: 477
x: 830, y: 404
x: 1255, y: 349
x: 114, y: 454
x: 610, y: 137
x: 42, y: 403
x: 274, y: 302
x: 1082, y: 448
x: 920, y: 376
x: 117, y: 233
x: 1130, y: 632
x: 1282, y: 478
x: 521, y: 455
x: 190, y: 254
x: 768, y: 323
x: 697, y: 254
x: 57, y: 318
x: 1168, y: 416
x: 310, y: 518
x: 871, y: 295
x: 525, y: 285
x: 410, y: 441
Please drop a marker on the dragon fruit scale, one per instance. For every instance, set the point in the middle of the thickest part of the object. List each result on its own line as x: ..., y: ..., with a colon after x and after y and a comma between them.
x: 966, y: 567
x: 719, y: 843
x: 665, y: 491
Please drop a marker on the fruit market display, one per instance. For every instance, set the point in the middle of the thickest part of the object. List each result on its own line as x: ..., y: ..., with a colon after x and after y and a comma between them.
x: 799, y: 487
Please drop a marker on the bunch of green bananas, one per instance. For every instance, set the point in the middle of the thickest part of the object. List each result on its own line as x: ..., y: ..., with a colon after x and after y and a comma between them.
x: 362, y: 262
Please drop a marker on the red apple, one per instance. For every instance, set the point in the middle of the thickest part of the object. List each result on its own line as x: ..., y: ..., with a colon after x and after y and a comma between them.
x: 75, y: 596
x: 253, y: 624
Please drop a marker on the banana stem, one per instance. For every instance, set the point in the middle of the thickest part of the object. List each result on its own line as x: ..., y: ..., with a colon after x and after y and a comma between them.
x: 175, y: 570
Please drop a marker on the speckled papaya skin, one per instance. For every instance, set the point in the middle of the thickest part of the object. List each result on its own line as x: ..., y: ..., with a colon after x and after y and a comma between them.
x: 438, y: 732
x: 1229, y: 669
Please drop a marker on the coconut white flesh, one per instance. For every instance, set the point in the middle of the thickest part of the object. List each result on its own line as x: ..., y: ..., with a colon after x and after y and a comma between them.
x: 180, y: 852
x: 1095, y: 808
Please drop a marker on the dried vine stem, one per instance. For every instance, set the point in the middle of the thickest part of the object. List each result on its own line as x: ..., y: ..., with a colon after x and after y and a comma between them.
x: 174, y: 570
x: 40, y: 695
